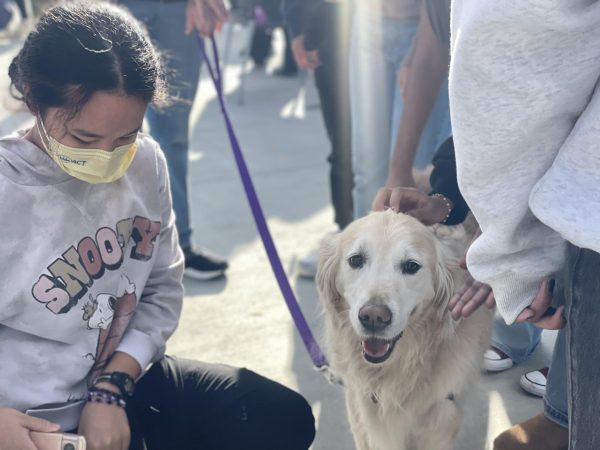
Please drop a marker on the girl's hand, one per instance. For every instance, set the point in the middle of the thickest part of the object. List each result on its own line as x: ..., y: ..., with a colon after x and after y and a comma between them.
x: 540, y: 313
x: 105, y: 427
x: 15, y: 427
x: 472, y: 295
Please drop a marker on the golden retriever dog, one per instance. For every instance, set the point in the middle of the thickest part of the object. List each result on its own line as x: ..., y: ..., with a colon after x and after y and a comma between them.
x: 385, y: 283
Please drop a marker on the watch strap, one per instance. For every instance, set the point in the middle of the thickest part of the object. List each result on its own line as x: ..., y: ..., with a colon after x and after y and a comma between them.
x: 119, y: 380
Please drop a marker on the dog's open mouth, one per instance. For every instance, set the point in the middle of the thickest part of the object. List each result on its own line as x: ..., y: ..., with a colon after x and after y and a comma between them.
x: 376, y: 350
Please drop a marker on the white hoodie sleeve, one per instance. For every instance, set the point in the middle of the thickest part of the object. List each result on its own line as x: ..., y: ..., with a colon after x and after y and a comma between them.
x: 522, y: 83
x: 159, y: 308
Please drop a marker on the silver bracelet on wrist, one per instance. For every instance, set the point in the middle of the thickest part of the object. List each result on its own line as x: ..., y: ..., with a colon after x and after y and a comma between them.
x: 448, y: 205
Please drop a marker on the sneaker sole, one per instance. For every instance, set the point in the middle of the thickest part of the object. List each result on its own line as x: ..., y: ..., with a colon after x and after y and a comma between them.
x: 203, y: 276
x: 531, y: 387
x: 497, y: 366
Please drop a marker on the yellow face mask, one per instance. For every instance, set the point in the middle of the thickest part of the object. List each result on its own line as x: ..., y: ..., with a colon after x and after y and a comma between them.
x: 90, y: 165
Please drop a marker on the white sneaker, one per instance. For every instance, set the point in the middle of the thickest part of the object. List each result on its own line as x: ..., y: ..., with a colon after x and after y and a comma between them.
x: 534, y: 382
x: 307, y: 266
x: 495, y: 360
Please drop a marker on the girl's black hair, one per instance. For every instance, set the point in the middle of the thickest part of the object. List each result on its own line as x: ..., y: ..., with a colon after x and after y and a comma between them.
x: 77, y: 49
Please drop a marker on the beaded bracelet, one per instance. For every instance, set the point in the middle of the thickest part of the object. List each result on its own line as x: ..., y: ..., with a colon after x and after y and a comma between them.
x: 448, y: 205
x: 98, y: 395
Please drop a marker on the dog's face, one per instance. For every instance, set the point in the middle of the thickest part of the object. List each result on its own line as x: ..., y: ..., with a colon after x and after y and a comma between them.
x: 382, y: 271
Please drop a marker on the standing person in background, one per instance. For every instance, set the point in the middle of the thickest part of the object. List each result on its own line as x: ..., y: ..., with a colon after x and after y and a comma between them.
x: 382, y: 35
x: 525, y: 110
x: 267, y: 18
x: 426, y: 72
x: 320, y: 31
x: 172, y: 25
x: 426, y: 69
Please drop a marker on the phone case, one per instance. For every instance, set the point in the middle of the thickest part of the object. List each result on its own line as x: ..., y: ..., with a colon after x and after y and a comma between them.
x: 57, y: 441
x: 65, y: 414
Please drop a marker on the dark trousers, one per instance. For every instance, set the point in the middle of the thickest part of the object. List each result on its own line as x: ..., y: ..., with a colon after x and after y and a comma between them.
x: 332, y: 83
x: 183, y: 405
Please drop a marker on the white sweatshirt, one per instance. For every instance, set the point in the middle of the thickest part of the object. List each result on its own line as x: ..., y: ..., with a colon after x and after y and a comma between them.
x: 526, y: 119
x: 85, y: 269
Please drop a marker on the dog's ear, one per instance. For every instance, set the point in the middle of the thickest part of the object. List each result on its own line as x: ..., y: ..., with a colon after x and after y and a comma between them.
x: 444, y: 281
x: 327, y: 269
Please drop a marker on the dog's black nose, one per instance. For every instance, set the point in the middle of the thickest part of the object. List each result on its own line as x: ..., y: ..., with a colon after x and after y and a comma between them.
x: 375, y: 317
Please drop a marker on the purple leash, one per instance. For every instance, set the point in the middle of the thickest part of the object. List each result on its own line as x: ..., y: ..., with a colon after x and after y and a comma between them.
x: 311, y: 345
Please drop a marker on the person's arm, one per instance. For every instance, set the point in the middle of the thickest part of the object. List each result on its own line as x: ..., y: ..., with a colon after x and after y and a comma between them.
x: 157, y: 313
x: 520, y: 90
x: 449, y: 207
x: 428, y: 70
x: 154, y: 319
x: 205, y: 16
x: 302, y: 17
x: 444, y: 181
x: 293, y: 13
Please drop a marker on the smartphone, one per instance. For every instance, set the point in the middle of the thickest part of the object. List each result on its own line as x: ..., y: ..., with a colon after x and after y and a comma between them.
x: 57, y: 441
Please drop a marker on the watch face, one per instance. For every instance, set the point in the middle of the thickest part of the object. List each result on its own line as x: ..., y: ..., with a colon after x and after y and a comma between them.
x: 125, y: 381
x: 127, y: 384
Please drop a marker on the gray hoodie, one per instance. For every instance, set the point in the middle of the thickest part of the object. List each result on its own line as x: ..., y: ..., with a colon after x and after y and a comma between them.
x: 526, y: 119
x: 86, y: 270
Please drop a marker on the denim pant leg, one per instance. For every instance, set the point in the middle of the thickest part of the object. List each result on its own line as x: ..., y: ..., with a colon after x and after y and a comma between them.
x: 582, y: 292
x: 436, y: 131
x: 556, y: 404
x: 373, y: 86
x: 518, y: 340
x: 170, y: 126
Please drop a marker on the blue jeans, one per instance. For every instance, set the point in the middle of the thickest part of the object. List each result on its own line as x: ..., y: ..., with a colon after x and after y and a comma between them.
x: 165, y: 22
x: 578, y: 287
x: 378, y: 46
x: 519, y: 341
x: 556, y: 404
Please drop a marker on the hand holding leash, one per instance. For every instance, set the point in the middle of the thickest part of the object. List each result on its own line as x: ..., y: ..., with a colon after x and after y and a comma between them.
x: 206, y: 16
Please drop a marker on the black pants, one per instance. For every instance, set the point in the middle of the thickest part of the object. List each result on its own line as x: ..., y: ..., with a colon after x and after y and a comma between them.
x: 183, y: 404
x: 332, y: 83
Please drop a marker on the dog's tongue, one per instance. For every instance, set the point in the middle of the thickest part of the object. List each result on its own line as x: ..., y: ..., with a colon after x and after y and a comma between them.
x: 375, y: 347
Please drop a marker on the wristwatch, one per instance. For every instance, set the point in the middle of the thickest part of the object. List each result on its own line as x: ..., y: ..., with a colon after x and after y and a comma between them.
x: 121, y: 380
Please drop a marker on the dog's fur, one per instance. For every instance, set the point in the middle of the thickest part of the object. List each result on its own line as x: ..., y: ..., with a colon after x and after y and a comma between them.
x: 414, y: 399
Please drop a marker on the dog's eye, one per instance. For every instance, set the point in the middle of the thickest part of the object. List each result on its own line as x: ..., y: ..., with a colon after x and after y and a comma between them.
x: 410, y: 267
x: 356, y: 261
